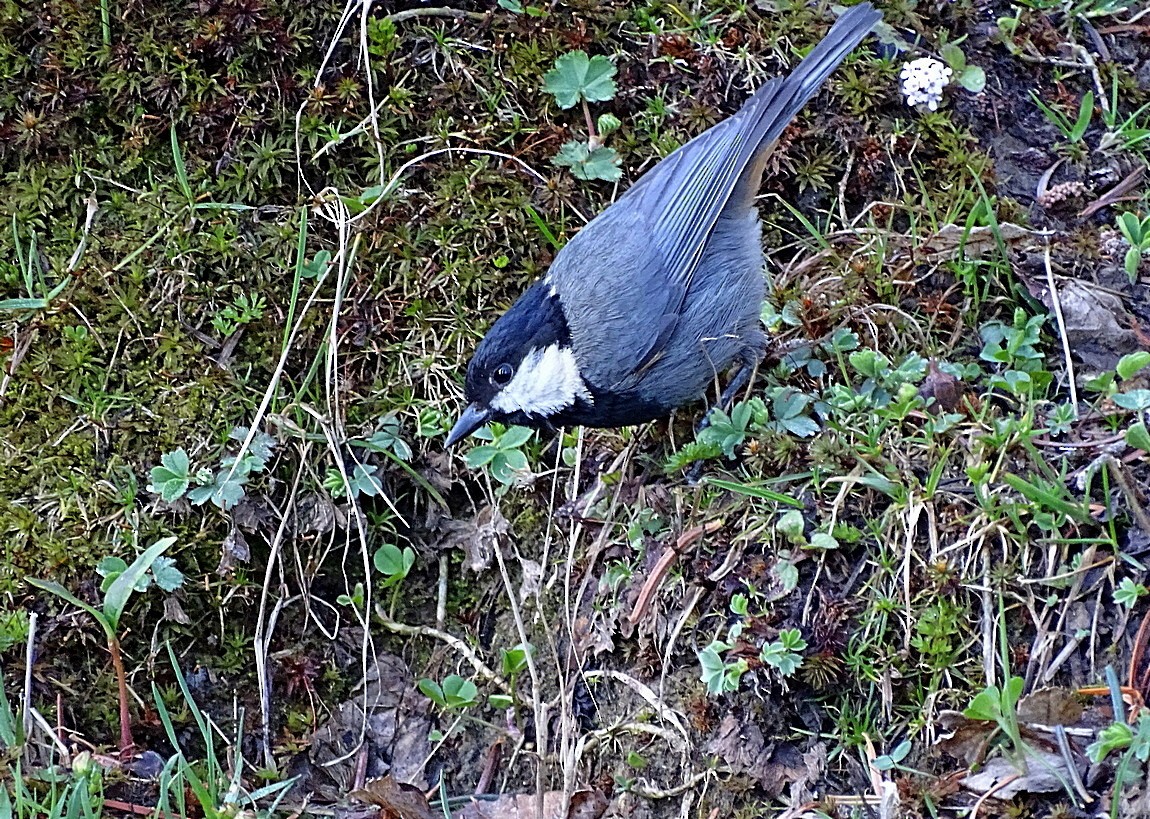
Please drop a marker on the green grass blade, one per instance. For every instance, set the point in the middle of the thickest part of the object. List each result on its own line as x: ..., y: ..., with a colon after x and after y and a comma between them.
x: 755, y: 491
x: 118, y: 594
x: 1046, y: 498
x: 181, y: 168
x: 23, y: 304
x: 55, y: 588
x: 543, y: 227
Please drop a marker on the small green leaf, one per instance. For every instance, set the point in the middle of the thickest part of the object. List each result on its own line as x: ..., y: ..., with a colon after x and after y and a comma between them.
x: 515, y: 659
x: 365, y: 481
x: 577, y: 76
x: 1132, y: 262
x: 601, y: 163
x: 607, y: 124
x: 1130, y: 364
x: 459, y: 692
x: 952, y: 55
x: 788, y: 574
x: 1113, y: 737
x: 116, y: 600
x: 166, y: 575
x: 223, y: 491
x: 1128, y: 593
x: 394, y: 563
x: 1137, y: 400
x: 507, y: 465
x: 515, y: 437
x: 112, y: 567
x: 500, y: 702
x: 987, y: 705
x: 432, y: 690
x: 973, y: 79
x: 1130, y: 228
x: 1085, y: 112
x: 480, y: 456
x: 1138, y: 437
x: 317, y: 265
x: 170, y: 480
x: 821, y: 540
x: 790, y: 525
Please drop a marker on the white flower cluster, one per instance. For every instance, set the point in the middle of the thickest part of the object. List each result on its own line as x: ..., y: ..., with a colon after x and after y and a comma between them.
x: 922, y: 81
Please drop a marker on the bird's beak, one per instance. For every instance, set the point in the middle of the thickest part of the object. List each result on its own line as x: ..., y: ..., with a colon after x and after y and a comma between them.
x: 475, y: 416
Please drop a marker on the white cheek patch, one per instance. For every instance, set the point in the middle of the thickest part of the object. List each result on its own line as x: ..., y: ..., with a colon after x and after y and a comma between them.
x: 546, y: 382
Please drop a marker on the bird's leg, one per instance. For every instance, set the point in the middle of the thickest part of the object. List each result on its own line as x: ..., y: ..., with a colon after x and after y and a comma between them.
x: 750, y: 359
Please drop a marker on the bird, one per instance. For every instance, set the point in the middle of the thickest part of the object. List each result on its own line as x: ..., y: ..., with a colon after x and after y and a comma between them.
x: 662, y: 291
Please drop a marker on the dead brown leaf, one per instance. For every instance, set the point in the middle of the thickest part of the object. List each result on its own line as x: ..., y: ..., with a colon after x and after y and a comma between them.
x: 477, y: 536
x: 396, y: 800
x: 963, y: 738
x: 1049, y: 707
x: 944, y: 388
x: 951, y: 240
x: 1097, y: 323
x: 745, y: 750
x: 1045, y: 773
x: 394, y: 729
x: 233, y: 551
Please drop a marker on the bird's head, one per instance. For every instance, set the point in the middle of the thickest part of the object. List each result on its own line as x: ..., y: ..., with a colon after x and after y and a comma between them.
x: 524, y: 371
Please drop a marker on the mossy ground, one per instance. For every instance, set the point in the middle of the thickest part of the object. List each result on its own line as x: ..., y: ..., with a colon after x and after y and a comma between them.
x: 157, y: 165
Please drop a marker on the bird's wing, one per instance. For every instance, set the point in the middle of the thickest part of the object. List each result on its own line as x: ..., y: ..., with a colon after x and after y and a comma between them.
x: 626, y: 275
x: 686, y: 192
x: 619, y: 304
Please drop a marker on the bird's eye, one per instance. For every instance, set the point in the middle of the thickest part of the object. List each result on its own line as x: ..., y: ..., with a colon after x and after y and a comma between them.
x: 502, y: 374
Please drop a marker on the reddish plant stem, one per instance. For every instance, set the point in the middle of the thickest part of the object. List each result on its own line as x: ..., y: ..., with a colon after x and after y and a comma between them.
x: 127, y: 744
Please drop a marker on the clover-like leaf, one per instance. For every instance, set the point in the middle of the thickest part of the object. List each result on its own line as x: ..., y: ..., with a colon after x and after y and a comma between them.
x: 166, y: 575
x: 170, y: 480
x: 577, y: 76
x: 394, y: 563
x: 224, y: 491
x: 459, y: 692
x: 601, y: 163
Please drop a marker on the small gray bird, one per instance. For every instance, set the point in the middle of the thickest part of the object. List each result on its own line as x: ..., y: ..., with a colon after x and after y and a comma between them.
x: 662, y: 290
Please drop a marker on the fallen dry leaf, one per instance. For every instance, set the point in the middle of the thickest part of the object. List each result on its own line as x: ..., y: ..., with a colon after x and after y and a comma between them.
x: 394, y: 727
x: 1096, y: 322
x: 773, y: 766
x: 1045, y: 773
x: 477, y: 536
x: 396, y: 800
x: 1049, y: 707
x: 233, y: 551
x: 951, y: 240
x: 944, y: 388
x: 963, y: 738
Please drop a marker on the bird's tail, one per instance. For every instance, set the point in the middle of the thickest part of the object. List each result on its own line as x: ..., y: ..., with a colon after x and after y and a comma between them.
x: 769, y: 110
